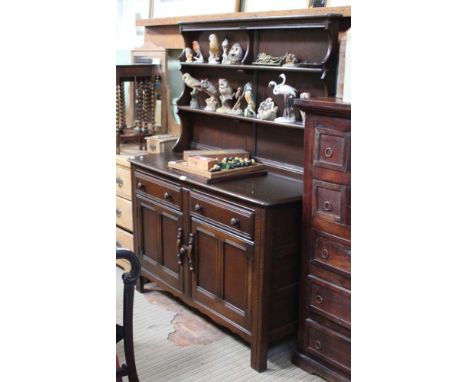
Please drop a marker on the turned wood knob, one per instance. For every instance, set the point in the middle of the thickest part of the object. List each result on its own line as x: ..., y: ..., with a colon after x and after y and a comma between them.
x: 119, y: 181
x: 318, y: 299
x: 167, y: 195
x: 234, y: 222
x: 198, y: 208
x: 140, y: 186
x: 327, y: 206
x: 328, y: 152
x: 118, y: 212
x: 318, y: 345
x: 182, y: 250
x: 118, y: 244
x: 325, y: 253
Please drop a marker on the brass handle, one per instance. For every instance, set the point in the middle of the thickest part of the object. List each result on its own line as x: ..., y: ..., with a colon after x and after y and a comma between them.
x: 328, y: 152
x: 327, y: 206
x: 119, y: 181
x: 189, y: 252
x: 167, y: 195
x: 118, y: 244
x: 180, y: 247
x: 118, y: 212
x: 198, y: 208
x: 318, y: 299
x: 152, y: 147
x: 234, y: 222
x: 318, y: 345
x: 325, y: 253
x: 140, y: 186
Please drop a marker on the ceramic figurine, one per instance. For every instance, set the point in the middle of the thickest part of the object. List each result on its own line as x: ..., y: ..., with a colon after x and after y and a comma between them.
x: 235, y: 54
x: 198, y: 54
x: 236, y: 109
x: 208, y: 88
x: 290, y: 60
x: 225, y: 51
x: 267, y: 110
x: 214, y: 49
x: 305, y: 95
x: 288, y: 92
x: 188, y: 55
x: 266, y: 59
x: 249, y: 98
x: 211, y: 104
x: 226, y: 94
x: 194, y: 84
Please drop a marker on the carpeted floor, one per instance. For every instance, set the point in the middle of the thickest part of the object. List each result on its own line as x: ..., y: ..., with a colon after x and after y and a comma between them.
x: 174, y: 343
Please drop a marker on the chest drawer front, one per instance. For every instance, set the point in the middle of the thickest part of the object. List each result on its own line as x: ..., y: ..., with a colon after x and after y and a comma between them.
x: 123, y: 182
x: 123, y: 213
x: 123, y: 239
x: 333, y: 254
x: 328, y: 345
x: 331, y: 202
x: 233, y: 218
x: 332, y: 148
x: 332, y: 302
x: 166, y: 192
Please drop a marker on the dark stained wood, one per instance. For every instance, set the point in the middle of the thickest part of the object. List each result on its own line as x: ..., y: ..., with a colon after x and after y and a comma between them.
x: 324, y: 336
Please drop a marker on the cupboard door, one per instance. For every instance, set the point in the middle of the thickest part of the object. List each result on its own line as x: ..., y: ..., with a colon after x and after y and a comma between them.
x: 222, y: 269
x: 159, y: 234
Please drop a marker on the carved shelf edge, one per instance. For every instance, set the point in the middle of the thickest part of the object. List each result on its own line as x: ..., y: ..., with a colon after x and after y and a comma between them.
x: 345, y: 11
x: 333, y: 107
x: 317, y: 69
x: 295, y: 125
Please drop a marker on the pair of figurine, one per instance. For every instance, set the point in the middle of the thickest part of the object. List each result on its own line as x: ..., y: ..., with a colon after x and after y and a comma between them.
x: 232, y: 56
x: 289, y: 59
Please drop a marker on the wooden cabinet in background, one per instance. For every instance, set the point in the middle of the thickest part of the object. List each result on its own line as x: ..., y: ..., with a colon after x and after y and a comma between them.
x: 324, y: 338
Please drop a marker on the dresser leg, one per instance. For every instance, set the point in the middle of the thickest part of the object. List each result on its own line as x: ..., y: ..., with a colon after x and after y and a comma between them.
x: 140, y: 284
x: 259, y: 355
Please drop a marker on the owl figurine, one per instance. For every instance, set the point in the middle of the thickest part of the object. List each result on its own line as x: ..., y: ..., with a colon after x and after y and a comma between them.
x: 235, y: 54
x: 214, y: 49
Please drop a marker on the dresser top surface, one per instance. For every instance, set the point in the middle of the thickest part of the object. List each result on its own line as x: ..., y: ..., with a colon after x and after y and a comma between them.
x: 264, y: 190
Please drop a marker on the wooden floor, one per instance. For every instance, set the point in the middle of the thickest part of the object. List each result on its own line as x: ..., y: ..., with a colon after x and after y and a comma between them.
x: 174, y: 343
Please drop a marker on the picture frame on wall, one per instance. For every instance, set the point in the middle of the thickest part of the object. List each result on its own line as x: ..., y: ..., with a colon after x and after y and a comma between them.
x: 176, y: 8
x: 274, y: 5
x: 318, y: 3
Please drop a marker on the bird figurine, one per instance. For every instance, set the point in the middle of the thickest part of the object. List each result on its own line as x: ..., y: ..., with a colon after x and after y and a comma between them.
x: 198, y: 54
x: 225, y: 44
x: 249, y: 98
x: 195, y: 85
x: 288, y: 92
x: 214, y: 49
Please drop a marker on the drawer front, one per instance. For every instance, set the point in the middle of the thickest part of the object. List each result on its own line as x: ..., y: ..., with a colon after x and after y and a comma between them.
x: 331, y: 202
x: 333, y: 254
x: 328, y: 345
x: 166, y: 192
x: 332, y: 302
x: 123, y: 239
x: 123, y: 213
x: 332, y: 149
x: 231, y: 217
x: 123, y: 182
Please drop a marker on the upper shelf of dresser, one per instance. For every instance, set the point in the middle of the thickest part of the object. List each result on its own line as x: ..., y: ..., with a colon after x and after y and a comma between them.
x: 266, y: 190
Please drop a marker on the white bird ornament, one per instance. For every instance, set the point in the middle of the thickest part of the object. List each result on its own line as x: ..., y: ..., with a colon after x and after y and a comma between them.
x: 288, y: 92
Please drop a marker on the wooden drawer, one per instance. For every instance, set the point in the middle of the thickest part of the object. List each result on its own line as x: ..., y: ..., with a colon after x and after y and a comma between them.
x: 330, y: 301
x: 231, y: 217
x: 332, y: 148
x: 123, y: 182
x: 123, y: 239
x: 166, y: 192
x: 123, y: 213
x: 328, y: 345
x: 333, y: 255
x: 331, y: 202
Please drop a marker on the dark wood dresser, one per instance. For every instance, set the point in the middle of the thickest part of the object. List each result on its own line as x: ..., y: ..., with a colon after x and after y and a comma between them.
x: 324, y: 337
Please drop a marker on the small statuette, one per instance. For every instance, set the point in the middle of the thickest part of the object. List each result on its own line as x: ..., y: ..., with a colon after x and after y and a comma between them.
x: 290, y: 60
x: 267, y: 110
x: 235, y: 54
x: 188, y: 55
x: 211, y: 104
x: 226, y: 94
x: 236, y: 109
x: 250, y: 99
x: 214, y: 49
x: 305, y: 95
x: 198, y: 54
x: 288, y: 92
x: 208, y: 88
x: 266, y: 59
x: 225, y: 44
x: 194, y: 84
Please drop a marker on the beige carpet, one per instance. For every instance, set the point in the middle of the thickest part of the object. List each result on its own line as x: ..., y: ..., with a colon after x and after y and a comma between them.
x: 174, y: 343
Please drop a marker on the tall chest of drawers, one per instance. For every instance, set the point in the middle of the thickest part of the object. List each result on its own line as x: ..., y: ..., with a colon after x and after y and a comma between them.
x: 324, y: 336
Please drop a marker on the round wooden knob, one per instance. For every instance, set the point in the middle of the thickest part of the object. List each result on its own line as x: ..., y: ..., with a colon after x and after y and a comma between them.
x: 327, y: 206
x: 198, y: 208
x: 318, y: 299
x: 140, y: 186
x: 328, y: 152
x: 234, y: 222
x: 118, y: 212
x: 325, y: 253
x: 318, y: 345
x: 167, y: 195
x: 119, y: 181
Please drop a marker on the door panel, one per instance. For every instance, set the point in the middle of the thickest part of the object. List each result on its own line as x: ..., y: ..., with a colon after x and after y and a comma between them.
x: 157, y: 241
x: 222, y: 276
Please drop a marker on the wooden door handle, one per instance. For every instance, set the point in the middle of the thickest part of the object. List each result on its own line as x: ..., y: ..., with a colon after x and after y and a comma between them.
x: 190, y: 252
